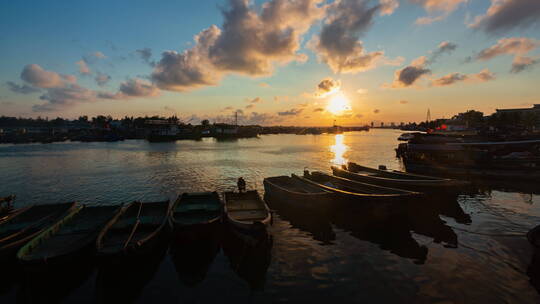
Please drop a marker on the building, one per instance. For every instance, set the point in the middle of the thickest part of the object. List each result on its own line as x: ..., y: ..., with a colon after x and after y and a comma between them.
x: 521, y: 111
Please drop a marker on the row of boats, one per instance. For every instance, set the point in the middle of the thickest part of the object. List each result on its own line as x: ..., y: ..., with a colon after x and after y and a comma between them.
x: 47, y: 235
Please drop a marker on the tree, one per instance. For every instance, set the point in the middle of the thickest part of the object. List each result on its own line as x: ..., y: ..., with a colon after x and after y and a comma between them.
x: 205, y: 123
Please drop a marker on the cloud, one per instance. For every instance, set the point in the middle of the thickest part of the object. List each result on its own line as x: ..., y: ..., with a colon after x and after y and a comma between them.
x: 255, y: 100
x: 61, y: 97
x: 514, y: 46
x: 442, y: 48
x: 388, y: 6
x: 408, y: 75
x: 376, y: 111
x: 145, y: 55
x: 102, y: 79
x: 327, y: 87
x: 318, y: 110
x: 83, y: 67
x: 359, y: 116
x: 517, y: 46
x: 437, y: 10
x: 38, y: 77
x: 453, y: 78
x: 403, y: 102
x: 21, y: 89
x: 169, y: 109
x: 505, y: 15
x: 250, y: 43
x: 93, y: 57
x: 227, y: 108
x: 132, y: 88
x: 250, y: 106
x: 362, y: 91
x: 264, y: 85
x: 338, y: 44
x: 291, y: 112
x: 521, y: 63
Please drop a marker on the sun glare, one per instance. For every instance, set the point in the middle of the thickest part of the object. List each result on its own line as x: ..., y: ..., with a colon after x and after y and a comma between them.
x: 338, y: 104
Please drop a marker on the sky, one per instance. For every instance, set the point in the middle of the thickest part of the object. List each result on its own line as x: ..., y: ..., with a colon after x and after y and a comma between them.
x: 274, y: 62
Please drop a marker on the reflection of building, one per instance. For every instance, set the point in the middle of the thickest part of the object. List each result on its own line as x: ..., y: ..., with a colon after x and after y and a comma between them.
x: 521, y: 111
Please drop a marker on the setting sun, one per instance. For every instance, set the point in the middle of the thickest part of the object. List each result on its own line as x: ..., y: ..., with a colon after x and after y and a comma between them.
x: 338, y: 104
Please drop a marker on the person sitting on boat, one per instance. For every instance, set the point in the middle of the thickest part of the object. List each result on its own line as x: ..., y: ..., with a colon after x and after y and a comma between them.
x: 241, y: 185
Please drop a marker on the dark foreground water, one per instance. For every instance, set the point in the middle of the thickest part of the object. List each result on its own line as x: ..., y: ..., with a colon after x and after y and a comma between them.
x: 465, y: 249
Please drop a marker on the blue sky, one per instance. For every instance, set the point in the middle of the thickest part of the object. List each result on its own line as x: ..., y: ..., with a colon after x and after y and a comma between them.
x: 55, y: 35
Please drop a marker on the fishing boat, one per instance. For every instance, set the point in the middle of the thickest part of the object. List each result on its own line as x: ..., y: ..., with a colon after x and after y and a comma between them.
x: 354, y: 189
x: 287, y: 188
x: 247, y: 213
x: 397, y: 179
x: 26, y: 224
x: 135, y: 230
x: 194, y: 209
x: 69, y: 238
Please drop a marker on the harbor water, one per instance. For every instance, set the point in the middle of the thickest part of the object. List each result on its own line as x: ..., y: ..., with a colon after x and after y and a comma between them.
x: 469, y: 248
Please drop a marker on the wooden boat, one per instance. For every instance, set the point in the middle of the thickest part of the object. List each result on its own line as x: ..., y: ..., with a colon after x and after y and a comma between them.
x: 135, y: 230
x: 397, y: 179
x: 354, y: 189
x: 247, y: 213
x: 68, y: 238
x: 193, y: 209
x: 287, y: 188
x: 26, y: 224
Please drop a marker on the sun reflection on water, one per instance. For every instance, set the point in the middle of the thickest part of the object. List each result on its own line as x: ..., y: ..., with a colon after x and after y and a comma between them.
x: 339, y: 149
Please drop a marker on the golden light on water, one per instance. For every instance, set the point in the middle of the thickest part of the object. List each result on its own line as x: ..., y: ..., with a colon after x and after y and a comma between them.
x: 339, y: 149
x: 338, y: 104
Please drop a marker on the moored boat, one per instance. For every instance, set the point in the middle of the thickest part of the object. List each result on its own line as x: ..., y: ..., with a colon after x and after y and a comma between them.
x: 17, y: 230
x: 287, y: 188
x: 69, y: 238
x: 135, y: 230
x: 354, y: 189
x: 247, y: 213
x: 533, y: 236
x: 6, y: 204
x: 193, y: 209
x: 398, y: 179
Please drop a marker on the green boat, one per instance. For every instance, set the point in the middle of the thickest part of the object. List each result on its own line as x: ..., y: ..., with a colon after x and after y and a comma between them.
x: 69, y: 238
x: 135, y: 230
x: 17, y: 230
x: 199, y: 208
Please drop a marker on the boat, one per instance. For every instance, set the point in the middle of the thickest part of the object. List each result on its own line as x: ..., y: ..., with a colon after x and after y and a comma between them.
x: 490, y: 158
x: 247, y: 213
x: 135, y: 230
x: 347, y: 188
x: 26, y: 224
x: 397, y: 179
x: 193, y: 209
x: 287, y: 188
x: 69, y: 238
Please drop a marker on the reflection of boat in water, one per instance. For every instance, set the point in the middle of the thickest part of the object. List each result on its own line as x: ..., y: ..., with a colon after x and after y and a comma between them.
x: 391, y: 234
x: 192, y: 257
x: 249, y: 260
x: 54, y: 285
x: 124, y: 282
x: 313, y: 221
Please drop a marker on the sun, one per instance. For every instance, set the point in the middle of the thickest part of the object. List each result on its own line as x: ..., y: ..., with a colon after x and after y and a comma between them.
x: 338, y: 104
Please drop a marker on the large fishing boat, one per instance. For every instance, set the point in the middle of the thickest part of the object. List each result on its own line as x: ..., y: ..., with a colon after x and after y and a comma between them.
x: 473, y: 157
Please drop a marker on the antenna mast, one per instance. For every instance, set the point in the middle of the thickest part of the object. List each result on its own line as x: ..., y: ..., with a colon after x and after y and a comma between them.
x: 428, y: 116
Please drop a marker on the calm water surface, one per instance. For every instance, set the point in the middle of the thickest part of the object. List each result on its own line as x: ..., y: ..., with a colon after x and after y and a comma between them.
x: 470, y: 248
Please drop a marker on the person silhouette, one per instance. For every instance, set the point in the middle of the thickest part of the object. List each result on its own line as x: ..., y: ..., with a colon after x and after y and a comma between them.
x: 241, y: 185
